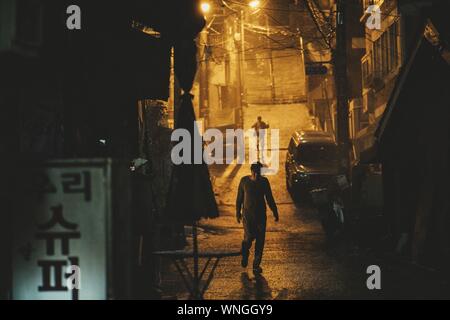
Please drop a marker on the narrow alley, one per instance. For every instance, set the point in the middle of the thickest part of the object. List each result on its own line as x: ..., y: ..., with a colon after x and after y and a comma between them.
x: 145, y: 141
x: 298, y: 263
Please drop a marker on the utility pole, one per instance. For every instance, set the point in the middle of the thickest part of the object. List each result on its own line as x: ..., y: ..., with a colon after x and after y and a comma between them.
x: 243, y: 88
x: 271, y: 73
x: 238, y: 110
x: 239, y: 113
x: 175, y: 90
x: 303, y: 66
x: 340, y: 70
x: 204, y: 81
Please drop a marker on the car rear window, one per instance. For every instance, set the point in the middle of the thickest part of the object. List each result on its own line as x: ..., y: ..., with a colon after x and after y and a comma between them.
x: 316, y: 153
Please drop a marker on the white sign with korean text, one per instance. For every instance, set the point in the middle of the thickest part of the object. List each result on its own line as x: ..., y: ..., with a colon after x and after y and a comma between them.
x: 60, y: 234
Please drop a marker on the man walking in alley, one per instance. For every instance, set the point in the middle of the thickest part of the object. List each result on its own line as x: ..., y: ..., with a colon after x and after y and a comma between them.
x: 253, y: 192
x: 260, y: 131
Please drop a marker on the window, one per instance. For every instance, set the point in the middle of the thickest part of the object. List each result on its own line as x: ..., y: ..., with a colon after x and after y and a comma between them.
x: 317, y: 153
x: 393, y: 43
x: 376, y: 57
x: 386, y: 56
x: 365, y: 69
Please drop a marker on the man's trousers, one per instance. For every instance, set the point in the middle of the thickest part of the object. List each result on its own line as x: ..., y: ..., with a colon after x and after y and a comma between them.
x: 254, y: 230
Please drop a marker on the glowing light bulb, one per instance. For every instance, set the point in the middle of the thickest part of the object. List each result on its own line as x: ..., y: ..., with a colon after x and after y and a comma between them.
x: 206, y: 7
x: 254, y: 4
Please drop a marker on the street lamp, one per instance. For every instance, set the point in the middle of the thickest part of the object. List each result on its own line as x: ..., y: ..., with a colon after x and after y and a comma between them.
x: 206, y: 7
x: 254, y: 4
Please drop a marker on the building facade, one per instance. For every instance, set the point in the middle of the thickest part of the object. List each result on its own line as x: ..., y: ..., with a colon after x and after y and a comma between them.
x: 384, y: 54
x: 248, y: 56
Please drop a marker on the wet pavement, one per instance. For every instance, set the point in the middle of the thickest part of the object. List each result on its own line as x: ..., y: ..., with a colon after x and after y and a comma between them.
x: 298, y: 263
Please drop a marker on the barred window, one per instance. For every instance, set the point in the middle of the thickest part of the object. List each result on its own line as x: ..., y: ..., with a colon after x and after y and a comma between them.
x: 386, y: 55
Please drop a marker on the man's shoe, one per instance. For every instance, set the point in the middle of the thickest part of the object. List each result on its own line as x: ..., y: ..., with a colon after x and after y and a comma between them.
x: 257, y: 270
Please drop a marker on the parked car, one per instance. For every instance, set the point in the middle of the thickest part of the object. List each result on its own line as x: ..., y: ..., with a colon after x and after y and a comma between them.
x: 311, y: 162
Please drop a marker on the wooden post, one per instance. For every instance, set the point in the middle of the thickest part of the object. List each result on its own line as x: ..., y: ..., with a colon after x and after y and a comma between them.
x: 197, y: 295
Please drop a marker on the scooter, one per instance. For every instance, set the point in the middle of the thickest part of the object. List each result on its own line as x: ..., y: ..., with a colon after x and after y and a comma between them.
x: 330, y: 206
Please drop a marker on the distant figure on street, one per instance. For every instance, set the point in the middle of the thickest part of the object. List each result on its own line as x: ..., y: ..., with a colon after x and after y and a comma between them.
x: 260, y: 130
x: 254, y: 191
